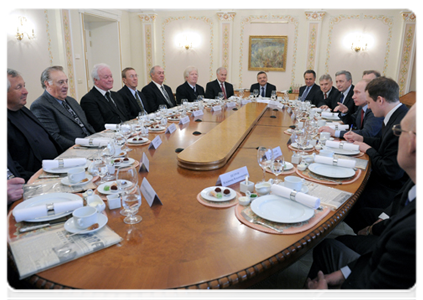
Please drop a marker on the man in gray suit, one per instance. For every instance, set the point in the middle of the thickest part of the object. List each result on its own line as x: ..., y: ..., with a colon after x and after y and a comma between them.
x: 60, y: 114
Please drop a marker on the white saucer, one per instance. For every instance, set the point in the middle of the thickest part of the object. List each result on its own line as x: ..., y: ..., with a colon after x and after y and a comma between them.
x: 121, y: 154
x: 101, y: 220
x: 304, y: 188
x: 158, y: 129
x: 65, y: 181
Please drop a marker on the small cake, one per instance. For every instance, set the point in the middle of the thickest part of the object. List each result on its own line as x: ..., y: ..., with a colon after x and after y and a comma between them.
x: 125, y: 159
x: 114, y: 187
x: 226, y: 193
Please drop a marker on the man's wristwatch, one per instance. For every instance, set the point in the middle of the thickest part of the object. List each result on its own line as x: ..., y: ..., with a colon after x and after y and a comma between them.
x: 314, y: 297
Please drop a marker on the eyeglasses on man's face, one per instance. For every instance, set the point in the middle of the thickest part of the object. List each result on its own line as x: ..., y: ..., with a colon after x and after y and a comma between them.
x: 398, y: 130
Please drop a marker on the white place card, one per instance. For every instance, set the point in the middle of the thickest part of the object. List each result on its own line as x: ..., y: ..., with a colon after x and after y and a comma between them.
x: 280, y: 105
x: 276, y: 152
x: 216, y: 108
x: 233, y: 176
x: 273, y: 103
x: 184, y: 120
x: 171, y: 128
x: 155, y: 143
x: 197, y: 113
x: 243, y: 102
x: 144, y: 163
x: 149, y: 193
x: 230, y: 104
x: 289, y: 110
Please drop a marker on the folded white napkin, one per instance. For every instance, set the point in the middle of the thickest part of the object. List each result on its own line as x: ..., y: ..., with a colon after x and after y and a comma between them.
x: 111, y: 126
x: 263, y: 100
x: 151, y: 116
x: 346, y: 163
x: 67, y: 163
x: 98, y: 142
x: 329, y: 114
x: 346, y: 146
x: 302, y: 198
x: 338, y: 126
x: 40, y: 211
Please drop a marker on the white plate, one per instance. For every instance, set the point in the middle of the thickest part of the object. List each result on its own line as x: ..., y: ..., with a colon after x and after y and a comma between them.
x: 121, y: 154
x: 127, y: 163
x: 47, y: 199
x: 64, y: 170
x: 331, y: 171
x: 101, y: 190
x: 343, y: 151
x: 294, y: 145
x: 304, y: 188
x: 288, y: 166
x: 70, y: 224
x: 174, y: 119
x: 206, y: 196
x: 143, y: 141
x: 157, y: 129
x: 281, y: 210
x: 65, y: 181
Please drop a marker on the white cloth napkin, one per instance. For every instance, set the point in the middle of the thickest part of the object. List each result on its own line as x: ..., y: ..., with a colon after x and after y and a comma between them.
x: 340, y: 126
x: 329, y: 114
x: 98, y: 142
x: 346, y: 146
x: 40, y: 211
x: 302, y: 198
x: 111, y: 126
x: 67, y: 163
x: 151, y: 116
x: 346, y: 163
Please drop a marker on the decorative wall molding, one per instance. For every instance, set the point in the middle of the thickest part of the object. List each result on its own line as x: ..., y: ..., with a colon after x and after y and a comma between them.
x: 388, y: 21
x: 226, y: 23
x: 315, y: 19
x: 148, y: 22
x: 50, y: 54
x: 407, y: 50
x: 67, y: 34
x: 169, y: 20
x: 288, y: 19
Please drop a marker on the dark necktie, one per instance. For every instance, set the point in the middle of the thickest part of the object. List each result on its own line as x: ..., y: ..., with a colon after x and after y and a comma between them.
x: 342, y: 98
x: 223, y: 90
x: 326, y: 95
x: 262, y: 92
x: 362, y: 118
x: 195, y: 92
x: 139, y: 101
x: 306, y: 91
x: 75, y: 117
x: 166, y: 96
x: 109, y: 98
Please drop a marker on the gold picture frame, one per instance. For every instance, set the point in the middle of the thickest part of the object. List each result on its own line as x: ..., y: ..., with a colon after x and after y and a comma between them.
x: 267, y: 53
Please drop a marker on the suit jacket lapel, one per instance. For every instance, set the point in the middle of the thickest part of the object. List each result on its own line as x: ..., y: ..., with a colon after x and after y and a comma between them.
x: 59, y: 107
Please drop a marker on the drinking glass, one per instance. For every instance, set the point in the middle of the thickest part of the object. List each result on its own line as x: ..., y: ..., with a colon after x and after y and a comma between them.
x: 241, y: 93
x: 100, y: 169
x: 264, y: 158
x: 303, y: 140
x: 277, y: 167
x: 108, y: 153
x: 273, y: 95
x: 119, y: 140
x: 220, y: 95
x: 131, y: 203
x: 126, y: 180
x: 126, y: 131
x: 255, y: 93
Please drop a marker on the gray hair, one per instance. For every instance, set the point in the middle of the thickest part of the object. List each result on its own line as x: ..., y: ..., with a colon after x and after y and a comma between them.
x: 346, y: 73
x: 12, y: 73
x: 45, y: 75
x: 325, y: 77
x: 189, y: 70
x: 153, y: 70
x: 219, y: 69
x: 96, y: 68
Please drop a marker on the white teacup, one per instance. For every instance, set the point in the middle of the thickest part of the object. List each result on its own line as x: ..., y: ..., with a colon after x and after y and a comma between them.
x: 263, y: 188
x: 321, y: 123
x: 76, y: 175
x: 294, y: 183
x: 84, y: 217
x: 326, y: 152
x: 324, y: 135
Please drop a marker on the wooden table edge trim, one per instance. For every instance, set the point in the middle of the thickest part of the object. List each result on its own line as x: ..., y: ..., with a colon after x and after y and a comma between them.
x: 216, y: 288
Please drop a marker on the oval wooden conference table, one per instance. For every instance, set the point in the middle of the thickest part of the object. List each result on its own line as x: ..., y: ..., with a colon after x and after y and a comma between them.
x: 183, y: 244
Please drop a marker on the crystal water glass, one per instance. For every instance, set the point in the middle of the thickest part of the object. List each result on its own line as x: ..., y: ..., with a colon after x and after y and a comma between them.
x: 264, y: 158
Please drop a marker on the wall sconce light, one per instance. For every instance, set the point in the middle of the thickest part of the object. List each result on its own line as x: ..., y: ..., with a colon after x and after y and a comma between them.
x: 359, y: 44
x: 185, y: 42
x: 24, y: 29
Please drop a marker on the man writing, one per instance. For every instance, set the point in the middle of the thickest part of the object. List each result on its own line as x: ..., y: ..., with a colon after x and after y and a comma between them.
x: 60, y: 114
x: 265, y: 89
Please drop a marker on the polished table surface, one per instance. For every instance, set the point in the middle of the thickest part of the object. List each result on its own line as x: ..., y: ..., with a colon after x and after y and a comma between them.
x: 184, y: 244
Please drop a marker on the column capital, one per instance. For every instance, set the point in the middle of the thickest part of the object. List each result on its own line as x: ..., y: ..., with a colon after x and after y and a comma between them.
x: 226, y: 16
x: 147, y: 17
x: 315, y: 15
x: 408, y: 16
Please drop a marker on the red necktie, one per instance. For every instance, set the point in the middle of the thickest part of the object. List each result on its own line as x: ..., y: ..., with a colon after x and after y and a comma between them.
x: 362, y: 117
x: 223, y: 90
x: 326, y: 95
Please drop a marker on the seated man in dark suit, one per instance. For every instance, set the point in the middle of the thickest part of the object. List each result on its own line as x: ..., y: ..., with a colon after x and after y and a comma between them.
x: 14, y: 181
x: 363, y: 121
x: 156, y: 92
x: 213, y: 88
x: 60, y: 114
x: 391, y: 262
x: 190, y: 90
x: 328, y: 91
x: 370, y: 75
x: 310, y: 91
x: 346, y: 88
x: 386, y: 177
x: 265, y: 89
x: 101, y: 105
x: 28, y: 142
x: 135, y: 101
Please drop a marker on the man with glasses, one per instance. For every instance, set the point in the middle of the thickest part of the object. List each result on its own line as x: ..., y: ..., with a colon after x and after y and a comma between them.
x: 386, y: 177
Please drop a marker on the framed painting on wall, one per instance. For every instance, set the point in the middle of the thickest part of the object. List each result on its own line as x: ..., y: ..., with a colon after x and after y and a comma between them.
x: 267, y: 53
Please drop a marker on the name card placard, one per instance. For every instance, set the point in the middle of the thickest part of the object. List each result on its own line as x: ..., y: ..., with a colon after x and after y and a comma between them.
x: 197, y: 113
x: 233, y: 177
x: 276, y: 152
x: 155, y: 143
x: 149, y: 194
x: 144, y: 163
x: 289, y: 110
x: 280, y: 105
x: 273, y: 103
x: 243, y: 102
x: 216, y: 108
x: 230, y: 104
x: 184, y: 120
x: 171, y: 128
